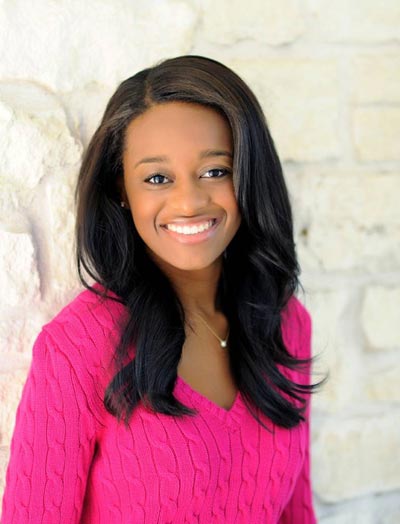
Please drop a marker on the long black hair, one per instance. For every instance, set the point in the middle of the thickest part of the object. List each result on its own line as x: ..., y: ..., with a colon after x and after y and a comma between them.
x: 260, y: 270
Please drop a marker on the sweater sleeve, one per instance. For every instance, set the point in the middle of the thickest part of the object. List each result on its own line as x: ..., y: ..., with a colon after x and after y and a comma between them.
x: 52, y: 444
x: 299, y: 509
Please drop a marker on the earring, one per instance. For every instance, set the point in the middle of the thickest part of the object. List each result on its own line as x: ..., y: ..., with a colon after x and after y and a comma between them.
x: 123, y: 204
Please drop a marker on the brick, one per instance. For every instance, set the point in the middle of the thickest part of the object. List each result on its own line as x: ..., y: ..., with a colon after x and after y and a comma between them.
x: 393, y: 517
x: 133, y: 35
x: 19, y: 275
x: 349, y: 517
x: 333, y: 348
x: 11, y: 385
x: 4, y: 458
x: 13, y: 204
x: 269, y: 22
x: 365, y: 21
x: 376, y: 133
x: 376, y: 79
x: 368, y: 199
x: 348, y: 221
x: 380, y: 317
x: 18, y: 331
x: 40, y: 149
x: 364, y: 510
x: 62, y: 279
x: 383, y: 384
x: 85, y: 107
x: 36, y: 138
x: 357, y: 456
x: 300, y: 100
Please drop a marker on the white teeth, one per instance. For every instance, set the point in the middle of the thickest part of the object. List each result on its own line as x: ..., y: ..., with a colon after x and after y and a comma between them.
x: 190, y: 230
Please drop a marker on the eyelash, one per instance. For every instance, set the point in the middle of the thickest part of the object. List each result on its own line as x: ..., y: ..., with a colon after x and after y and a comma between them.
x: 225, y: 171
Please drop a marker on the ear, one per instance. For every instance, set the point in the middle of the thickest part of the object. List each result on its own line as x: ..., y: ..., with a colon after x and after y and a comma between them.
x: 123, y: 197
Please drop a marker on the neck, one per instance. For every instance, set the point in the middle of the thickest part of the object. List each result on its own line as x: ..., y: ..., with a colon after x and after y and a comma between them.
x: 197, y: 289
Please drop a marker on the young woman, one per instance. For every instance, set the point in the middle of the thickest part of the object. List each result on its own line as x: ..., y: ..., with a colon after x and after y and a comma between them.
x: 175, y: 388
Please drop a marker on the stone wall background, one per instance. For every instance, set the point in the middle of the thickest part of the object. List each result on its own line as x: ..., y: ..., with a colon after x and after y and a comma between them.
x: 328, y: 76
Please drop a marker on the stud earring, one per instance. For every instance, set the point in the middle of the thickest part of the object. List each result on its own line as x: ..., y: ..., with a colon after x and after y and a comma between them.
x: 123, y: 205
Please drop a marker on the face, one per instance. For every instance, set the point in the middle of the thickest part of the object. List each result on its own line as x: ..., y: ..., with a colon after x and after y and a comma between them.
x: 177, y: 165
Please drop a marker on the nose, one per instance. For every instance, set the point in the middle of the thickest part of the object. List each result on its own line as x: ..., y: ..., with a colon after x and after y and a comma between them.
x: 189, y: 196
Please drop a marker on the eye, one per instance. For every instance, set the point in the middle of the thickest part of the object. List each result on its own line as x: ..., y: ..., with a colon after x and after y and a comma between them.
x: 156, y: 176
x: 221, y: 173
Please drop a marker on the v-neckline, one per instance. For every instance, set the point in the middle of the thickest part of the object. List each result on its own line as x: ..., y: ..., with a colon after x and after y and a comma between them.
x: 230, y: 417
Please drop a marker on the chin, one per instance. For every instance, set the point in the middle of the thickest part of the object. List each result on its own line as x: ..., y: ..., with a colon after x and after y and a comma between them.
x: 188, y: 265
x: 192, y: 267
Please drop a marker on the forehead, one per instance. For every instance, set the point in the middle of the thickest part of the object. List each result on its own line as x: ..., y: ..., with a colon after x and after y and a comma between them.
x: 175, y: 125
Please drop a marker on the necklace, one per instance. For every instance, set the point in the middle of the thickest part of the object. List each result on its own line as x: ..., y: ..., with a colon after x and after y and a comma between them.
x: 223, y: 343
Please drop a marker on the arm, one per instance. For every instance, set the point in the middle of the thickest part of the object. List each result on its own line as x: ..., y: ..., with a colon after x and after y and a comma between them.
x: 52, y: 445
x: 299, y: 509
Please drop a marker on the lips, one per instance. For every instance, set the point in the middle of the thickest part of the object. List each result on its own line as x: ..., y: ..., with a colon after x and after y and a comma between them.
x: 195, y: 237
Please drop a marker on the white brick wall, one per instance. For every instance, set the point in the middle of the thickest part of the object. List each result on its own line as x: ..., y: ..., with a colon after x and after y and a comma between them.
x: 328, y: 76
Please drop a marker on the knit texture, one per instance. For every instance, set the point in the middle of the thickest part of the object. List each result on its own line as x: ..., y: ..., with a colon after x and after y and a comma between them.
x: 71, y: 462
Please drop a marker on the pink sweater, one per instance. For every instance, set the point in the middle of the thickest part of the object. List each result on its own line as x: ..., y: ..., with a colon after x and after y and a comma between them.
x: 71, y: 462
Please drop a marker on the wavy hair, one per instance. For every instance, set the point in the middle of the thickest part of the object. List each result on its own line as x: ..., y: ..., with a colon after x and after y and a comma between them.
x: 260, y: 268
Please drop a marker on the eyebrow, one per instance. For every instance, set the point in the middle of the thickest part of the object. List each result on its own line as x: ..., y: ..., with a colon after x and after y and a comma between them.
x: 203, y: 154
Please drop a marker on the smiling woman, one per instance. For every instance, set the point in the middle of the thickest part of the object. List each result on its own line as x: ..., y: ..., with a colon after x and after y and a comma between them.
x: 176, y: 387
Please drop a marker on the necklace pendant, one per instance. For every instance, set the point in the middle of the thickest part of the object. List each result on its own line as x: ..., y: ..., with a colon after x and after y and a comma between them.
x: 223, y: 343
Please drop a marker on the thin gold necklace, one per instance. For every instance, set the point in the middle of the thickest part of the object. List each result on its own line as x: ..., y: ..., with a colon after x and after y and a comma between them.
x: 223, y: 343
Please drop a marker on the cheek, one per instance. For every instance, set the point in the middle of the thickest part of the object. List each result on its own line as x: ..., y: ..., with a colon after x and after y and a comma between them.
x: 228, y: 201
x: 142, y: 209
x: 141, y: 218
x: 236, y: 217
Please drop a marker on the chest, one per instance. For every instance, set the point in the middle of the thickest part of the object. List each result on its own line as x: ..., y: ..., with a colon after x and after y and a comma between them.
x: 205, y: 367
x: 200, y: 468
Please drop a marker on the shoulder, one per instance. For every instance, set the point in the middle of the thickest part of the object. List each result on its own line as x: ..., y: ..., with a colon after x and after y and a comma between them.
x: 88, y: 315
x: 86, y: 331
x: 73, y: 354
x: 295, y: 313
x: 296, y: 328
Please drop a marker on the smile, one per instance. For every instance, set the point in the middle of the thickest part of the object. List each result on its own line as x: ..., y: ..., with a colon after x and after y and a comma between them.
x: 191, y: 230
x: 192, y: 234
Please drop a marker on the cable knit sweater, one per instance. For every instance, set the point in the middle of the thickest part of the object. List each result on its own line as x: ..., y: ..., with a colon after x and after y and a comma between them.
x: 72, y: 462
